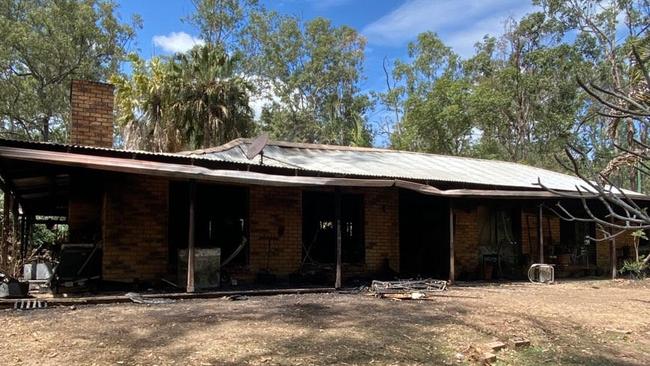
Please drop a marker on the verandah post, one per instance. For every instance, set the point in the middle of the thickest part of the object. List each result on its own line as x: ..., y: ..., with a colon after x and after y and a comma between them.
x: 452, y: 269
x: 540, y: 233
x: 190, y: 238
x: 612, y: 253
x: 337, y: 283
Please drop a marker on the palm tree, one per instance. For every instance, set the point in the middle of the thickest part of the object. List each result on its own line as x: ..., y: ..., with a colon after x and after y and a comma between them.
x: 209, y: 103
x: 193, y: 100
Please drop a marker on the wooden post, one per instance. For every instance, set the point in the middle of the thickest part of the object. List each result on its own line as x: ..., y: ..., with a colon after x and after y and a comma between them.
x: 337, y: 283
x: 452, y: 255
x: 612, y: 253
x: 540, y: 233
x: 4, y: 241
x: 23, y: 236
x: 15, y: 237
x: 190, y: 238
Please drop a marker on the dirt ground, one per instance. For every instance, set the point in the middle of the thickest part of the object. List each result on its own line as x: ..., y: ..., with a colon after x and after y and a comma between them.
x: 574, y: 323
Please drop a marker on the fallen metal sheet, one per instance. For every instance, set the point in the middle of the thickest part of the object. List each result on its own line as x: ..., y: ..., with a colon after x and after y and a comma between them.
x: 410, y: 287
x: 139, y: 299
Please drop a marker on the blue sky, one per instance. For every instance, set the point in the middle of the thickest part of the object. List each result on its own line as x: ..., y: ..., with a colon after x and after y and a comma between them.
x: 388, y: 25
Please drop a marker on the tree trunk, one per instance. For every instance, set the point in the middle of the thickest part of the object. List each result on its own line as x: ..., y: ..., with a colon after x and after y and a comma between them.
x: 46, y: 129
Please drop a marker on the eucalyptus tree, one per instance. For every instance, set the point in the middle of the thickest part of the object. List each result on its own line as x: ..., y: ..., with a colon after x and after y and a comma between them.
x: 223, y: 22
x: 433, y: 93
x: 515, y: 99
x: 310, y: 74
x: 604, y: 33
x: 43, y: 45
x: 524, y: 98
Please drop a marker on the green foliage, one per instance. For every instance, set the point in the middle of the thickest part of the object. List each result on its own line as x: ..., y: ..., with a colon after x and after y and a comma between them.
x: 205, y: 89
x: 312, y: 71
x: 43, y: 45
x: 43, y: 236
x: 635, y: 269
x: 223, y: 22
x: 639, y: 234
x: 434, y: 93
x: 192, y: 100
x: 604, y: 33
x: 306, y: 74
x: 517, y: 98
x: 525, y: 99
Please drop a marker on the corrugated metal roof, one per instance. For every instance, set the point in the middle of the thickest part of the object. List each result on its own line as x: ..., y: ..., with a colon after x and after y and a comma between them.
x: 384, y: 163
x: 359, y: 162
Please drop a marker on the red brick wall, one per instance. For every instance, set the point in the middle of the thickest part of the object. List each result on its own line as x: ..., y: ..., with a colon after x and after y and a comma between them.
x: 381, y: 228
x: 135, y: 230
x: 276, y: 215
x: 85, y: 208
x: 466, y: 232
x: 91, y: 113
x: 275, y: 218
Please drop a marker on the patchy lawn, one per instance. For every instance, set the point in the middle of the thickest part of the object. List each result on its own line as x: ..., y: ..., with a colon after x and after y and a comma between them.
x: 574, y: 323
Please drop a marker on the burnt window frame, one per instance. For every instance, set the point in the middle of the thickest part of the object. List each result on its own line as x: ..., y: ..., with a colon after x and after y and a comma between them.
x: 352, y: 212
x: 179, y: 208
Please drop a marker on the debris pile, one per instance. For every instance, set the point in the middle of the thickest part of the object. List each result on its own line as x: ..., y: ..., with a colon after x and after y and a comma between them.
x: 407, y: 289
x: 11, y: 287
x: 30, y: 304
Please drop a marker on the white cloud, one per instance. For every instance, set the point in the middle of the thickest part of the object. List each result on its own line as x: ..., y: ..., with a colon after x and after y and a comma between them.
x: 460, y: 23
x: 463, y: 41
x: 176, y: 41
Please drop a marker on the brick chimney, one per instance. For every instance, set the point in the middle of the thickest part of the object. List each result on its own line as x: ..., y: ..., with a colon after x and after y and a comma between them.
x: 92, y: 113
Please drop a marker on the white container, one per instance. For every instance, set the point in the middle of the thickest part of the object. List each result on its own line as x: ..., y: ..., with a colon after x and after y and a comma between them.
x: 207, y: 264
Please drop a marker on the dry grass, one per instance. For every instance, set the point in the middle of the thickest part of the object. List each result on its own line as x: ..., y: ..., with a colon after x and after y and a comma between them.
x: 589, y: 322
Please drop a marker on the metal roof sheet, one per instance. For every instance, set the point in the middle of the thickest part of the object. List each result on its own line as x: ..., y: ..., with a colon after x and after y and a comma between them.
x: 384, y: 163
x: 361, y: 162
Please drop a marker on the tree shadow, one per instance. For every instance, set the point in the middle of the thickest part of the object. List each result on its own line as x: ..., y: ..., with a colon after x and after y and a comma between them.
x: 317, y: 329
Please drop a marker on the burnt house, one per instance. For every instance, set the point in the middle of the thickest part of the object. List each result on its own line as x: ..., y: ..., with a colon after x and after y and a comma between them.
x: 294, y: 211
